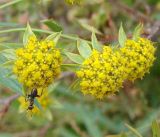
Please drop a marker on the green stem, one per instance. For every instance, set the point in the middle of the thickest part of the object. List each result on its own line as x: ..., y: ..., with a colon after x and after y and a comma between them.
x: 133, y: 130
x: 9, y: 3
x: 42, y: 31
x: 70, y: 65
x: 23, y: 29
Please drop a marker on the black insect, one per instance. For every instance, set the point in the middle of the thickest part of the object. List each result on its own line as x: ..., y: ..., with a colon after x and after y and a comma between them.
x: 31, y: 97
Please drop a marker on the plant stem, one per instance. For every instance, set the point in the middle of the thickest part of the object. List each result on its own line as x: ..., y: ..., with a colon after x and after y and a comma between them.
x: 133, y: 130
x: 42, y: 31
x: 9, y: 4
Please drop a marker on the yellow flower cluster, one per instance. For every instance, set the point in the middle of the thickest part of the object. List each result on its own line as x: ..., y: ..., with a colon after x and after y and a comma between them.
x: 44, y: 100
x: 139, y: 57
x: 38, y: 63
x: 73, y: 1
x: 102, y: 74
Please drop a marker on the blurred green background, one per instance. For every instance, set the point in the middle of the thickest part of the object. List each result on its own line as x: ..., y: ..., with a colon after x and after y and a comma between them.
x: 75, y: 115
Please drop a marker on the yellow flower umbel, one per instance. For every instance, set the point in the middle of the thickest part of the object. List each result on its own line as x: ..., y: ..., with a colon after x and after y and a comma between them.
x: 73, y: 1
x: 102, y: 74
x: 44, y: 100
x: 138, y: 57
x: 38, y: 63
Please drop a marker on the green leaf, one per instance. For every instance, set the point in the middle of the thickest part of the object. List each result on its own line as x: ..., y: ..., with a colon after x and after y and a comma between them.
x: 74, y: 57
x: 52, y: 87
x: 7, y: 64
x: 55, y: 37
x: 8, y: 54
x: 137, y: 31
x: 133, y: 130
x: 122, y: 36
x: 95, y: 44
x: 73, y: 67
x: 75, y: 84
x: 90, y: 123
x: 67, y: 133
x: 48, y: 115
x: 10, y: 83
x: 24, y: 90
x: 37, y: 104
x: 9, y: 3
x: 57, y: 104
x: 10, y: 46
x: 28, y: 32
x: 11, y: 75
x: 84, y: 48
x: 53, y: 25
x: 155, y: 129
x: 88, y: 27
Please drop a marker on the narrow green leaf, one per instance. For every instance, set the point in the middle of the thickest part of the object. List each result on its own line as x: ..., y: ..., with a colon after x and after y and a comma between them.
x: 4, y: 46
x: 84, y: 48
x: 57, y: 104
x: 9, y: 3
x: 28, y: 32
x: 11, y: 75
x: 37, y: 104
x: 48, y: 115
x: 24, y: 90
x: 95, y: 44
x: 7, y: 64
x: 137, y: 31
x: 155, y: 129
x: 122, y: 36
x: 52, y: 87
x: 8, y: 54
x: 55, y: 37
x: 133, y: 130
x: 74, y: 85
x: 91, y: 127
x: 9, y: 82
x: 53, y: 25
x: 88, y: 27
x: 74, y: 57
x: 73, y: 67
x: 67, y: 133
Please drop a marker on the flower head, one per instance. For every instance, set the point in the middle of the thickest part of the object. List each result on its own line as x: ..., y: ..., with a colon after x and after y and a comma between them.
x: 73, y: 1
x: 138, y: 57
x: 102, y: 74
x: 38, y: 63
